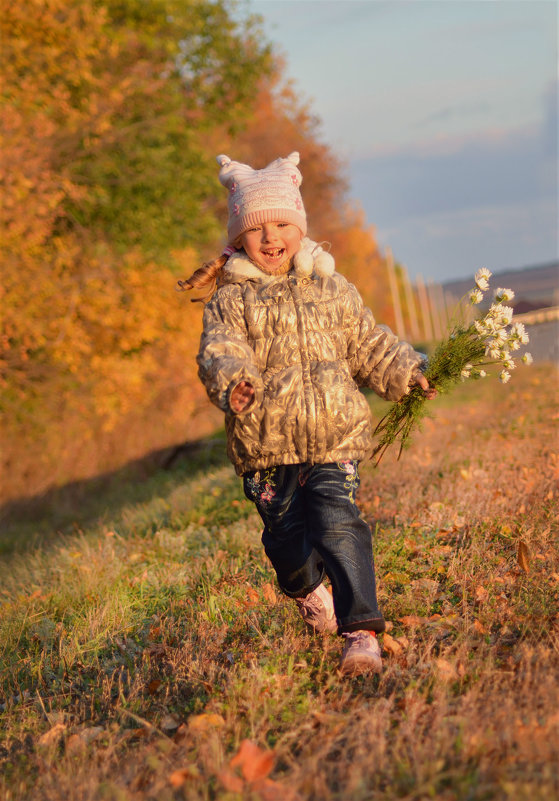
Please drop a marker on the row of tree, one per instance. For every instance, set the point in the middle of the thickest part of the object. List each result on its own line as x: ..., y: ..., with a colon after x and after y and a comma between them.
x: 113, y: 112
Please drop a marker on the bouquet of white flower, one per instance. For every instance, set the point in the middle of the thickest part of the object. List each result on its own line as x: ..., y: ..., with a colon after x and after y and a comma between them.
x: 462, y: 355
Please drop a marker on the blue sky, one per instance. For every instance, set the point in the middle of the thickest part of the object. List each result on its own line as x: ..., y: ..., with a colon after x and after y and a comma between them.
x: 445, y: 113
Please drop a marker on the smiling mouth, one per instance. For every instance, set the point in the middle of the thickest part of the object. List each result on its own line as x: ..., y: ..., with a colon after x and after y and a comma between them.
x: 274, y: 253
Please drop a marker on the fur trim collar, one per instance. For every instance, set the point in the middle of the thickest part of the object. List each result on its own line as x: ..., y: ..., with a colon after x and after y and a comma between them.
x: 310, y: 259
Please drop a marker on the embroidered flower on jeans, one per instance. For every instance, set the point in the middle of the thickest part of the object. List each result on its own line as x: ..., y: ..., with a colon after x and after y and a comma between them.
x: 268, y: 493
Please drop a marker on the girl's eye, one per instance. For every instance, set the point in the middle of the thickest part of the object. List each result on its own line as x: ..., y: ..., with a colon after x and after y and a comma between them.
x: 283, y: 225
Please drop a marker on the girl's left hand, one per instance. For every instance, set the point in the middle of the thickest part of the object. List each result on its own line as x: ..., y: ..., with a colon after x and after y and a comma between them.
x: 429, y: 391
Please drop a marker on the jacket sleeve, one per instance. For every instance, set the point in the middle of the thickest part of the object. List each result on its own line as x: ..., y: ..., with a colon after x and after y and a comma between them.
x: 378, y: 359
x: 225, y: 357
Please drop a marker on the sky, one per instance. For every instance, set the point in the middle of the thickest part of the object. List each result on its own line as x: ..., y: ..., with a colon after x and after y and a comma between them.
x: 445, y: 114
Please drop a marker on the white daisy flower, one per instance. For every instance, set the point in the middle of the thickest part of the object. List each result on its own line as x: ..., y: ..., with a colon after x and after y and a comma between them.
x: 504, y: 377
x: 482, y: 373
x: 527, y: 358
x: 500, y: 336
x: 518, y: 330
x: 476, y: 296
x: 466, y: 370
x: 480, y: 327
x: 514, y: 344
x: 501, y: 295
x: 493, y: 351
x: 509, y: 364
x: 482, y: 278
x: 506, y: 314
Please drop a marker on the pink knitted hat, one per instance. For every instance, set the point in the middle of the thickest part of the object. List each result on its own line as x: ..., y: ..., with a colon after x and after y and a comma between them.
x: 259, y: 196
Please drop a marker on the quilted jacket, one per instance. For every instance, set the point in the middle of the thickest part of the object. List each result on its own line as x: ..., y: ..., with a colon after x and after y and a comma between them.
x: 306, y: 343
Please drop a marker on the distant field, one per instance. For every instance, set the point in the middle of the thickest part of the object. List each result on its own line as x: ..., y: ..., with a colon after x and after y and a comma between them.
x: 146, y: 652
x: 537, y: 285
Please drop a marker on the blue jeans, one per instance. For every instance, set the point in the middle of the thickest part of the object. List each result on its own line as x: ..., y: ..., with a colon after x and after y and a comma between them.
x: 312, y: 527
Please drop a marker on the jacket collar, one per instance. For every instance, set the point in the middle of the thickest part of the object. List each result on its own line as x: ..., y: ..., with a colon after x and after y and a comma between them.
x: 311, y: 259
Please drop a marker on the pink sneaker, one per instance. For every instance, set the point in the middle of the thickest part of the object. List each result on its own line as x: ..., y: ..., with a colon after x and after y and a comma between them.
x: 317, y: 610
x: 361, y: 654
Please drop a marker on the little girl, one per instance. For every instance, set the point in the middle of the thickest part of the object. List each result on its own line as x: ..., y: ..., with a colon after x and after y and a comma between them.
x: 287, y: 342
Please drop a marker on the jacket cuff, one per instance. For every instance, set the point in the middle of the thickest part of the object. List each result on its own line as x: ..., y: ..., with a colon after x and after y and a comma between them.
x: 256, y: 400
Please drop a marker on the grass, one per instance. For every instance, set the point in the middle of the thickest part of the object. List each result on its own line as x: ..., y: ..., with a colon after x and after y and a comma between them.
x: 143, y: 640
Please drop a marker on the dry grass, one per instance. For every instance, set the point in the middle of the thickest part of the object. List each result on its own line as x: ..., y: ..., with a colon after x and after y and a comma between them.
x: 139, y: 654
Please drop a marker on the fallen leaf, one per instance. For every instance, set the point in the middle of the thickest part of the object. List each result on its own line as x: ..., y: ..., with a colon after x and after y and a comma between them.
x: 205, y: 721
x: 178, y: 777
x: 269, y: 790
x: 230, y: 780
x: 446, y: 670
x: 479, y: 627
x: 153, y: 686
x: 523, y: 556
x: 52, y: 736
x: 481, y: 594
x: 412, y: 620
x: 251, y: 598
x: 269, y: 593
x: 391, y: 645
x: 254, y: 762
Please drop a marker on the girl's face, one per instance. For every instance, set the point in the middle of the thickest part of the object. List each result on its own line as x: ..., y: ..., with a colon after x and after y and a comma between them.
x: 270, y: 245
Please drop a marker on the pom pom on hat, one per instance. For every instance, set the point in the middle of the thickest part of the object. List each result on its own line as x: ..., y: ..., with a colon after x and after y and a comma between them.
x: 258, y: 196
x: 312, y: 258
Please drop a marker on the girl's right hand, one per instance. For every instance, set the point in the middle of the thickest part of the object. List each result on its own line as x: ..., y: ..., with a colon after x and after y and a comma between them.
x: 241, y: 397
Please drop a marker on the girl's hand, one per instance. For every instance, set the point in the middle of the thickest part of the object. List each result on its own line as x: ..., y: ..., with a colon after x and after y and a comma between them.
x: 241, y: 397
x: 429, y: 391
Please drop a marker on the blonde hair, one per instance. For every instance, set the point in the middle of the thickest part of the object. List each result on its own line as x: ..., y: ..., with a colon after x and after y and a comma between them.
x: 208, y: 275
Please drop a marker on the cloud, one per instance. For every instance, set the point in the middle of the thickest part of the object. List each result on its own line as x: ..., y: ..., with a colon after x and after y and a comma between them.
x: 450, y: 174
x: 451, y: 205
x: 454, y: 244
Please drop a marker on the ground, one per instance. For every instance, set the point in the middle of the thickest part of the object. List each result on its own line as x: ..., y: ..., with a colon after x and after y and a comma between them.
x: 147, y: 653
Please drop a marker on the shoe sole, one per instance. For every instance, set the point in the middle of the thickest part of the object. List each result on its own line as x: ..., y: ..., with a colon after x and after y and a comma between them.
x: 359, y: 666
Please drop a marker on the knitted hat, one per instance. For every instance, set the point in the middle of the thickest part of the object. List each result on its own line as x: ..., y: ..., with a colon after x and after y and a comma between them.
x: 260, y: 196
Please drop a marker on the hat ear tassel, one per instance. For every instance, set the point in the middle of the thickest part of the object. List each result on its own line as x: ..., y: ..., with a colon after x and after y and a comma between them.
x: 303, y: 262
x: 311, y: 257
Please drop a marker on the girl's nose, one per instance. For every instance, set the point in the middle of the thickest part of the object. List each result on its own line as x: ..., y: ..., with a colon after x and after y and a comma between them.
x: 269, y: 233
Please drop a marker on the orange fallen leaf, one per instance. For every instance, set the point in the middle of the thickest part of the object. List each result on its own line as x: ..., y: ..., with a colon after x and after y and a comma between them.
x: 392, y: 645
x: 205, y: 721
x: 523, y: 556
x: 269, y: 593
x: 52, y: 736
x: 446, y: 670
x: 412, y: 620
x: 479, y: 627
x: 251, y: 598
x: 481, y: 594
x: 178, y: 777
x: 230, y: 780
x: 254, y: 762
x: 269, y: 790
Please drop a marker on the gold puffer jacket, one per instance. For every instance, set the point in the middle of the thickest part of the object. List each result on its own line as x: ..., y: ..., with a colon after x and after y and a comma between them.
x: 306, y: 343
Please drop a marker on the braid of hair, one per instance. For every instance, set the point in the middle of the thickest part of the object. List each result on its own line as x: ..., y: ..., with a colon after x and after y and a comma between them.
x: 208, y: 275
